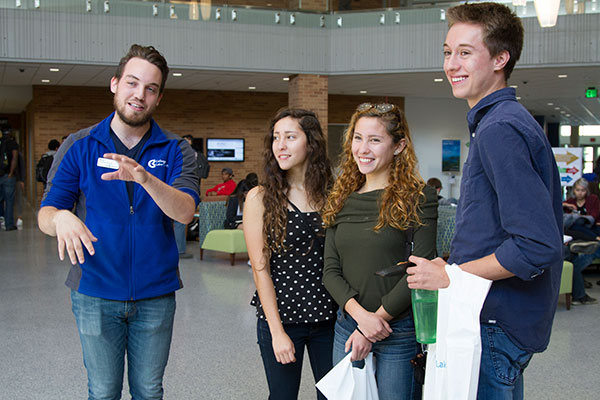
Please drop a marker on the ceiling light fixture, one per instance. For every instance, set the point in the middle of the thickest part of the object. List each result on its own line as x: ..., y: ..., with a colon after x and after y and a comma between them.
x: 438, y: 80
x: 561, y: 76
x: 550, y: 104
x: 177, y: 74
x: 557, y: 108
x: 54, y: 70
x: 287, y: 78
x: 363, y: 92
x: 251, y: 87
x: 514, y: 86
x: 518, y: 98
x: 547, y: 12
x: 45, y: 80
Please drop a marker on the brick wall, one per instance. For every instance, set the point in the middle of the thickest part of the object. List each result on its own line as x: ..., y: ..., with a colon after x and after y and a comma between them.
x: 310, y: 92
x: 58, y: 110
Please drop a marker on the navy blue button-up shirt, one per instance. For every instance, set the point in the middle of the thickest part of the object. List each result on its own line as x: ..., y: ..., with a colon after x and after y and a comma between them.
x: 511, y: 206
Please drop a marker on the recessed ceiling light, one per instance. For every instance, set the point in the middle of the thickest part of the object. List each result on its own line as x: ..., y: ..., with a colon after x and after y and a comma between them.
x: 518, y: 98
x: 177, y: 74
x: 567, y: 115
x: 45, y: 80
x: 287, y: 78
x: 550, y: 104
x: 562, y: 76
x: 438, y: 80
x: 252, y: 87
x: 514, y: 86
x: 363, y: 92
x: 557, y: 108
x: 54, y: 69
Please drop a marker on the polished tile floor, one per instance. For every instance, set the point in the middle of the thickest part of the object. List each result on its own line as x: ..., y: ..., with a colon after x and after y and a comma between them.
x: 214, y: 353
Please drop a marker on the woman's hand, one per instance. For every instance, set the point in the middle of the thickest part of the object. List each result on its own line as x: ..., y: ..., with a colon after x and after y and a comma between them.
x: 374, y: 327
x: 283, y: 347
x: 573, y: 207
x: 361, y: 347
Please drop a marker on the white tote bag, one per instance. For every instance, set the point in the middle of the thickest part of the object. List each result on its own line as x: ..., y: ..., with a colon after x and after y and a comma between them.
x: 452, y: 370
x: 345, y: 382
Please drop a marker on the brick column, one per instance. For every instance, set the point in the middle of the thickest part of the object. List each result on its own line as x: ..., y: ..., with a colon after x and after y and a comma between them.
x: 310, y: 92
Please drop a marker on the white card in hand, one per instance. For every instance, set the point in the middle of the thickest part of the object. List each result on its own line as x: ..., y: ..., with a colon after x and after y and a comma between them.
x: 107, y: 163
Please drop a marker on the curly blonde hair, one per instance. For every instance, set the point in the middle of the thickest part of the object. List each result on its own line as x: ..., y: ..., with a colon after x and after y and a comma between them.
x: 399, y: 204
x: 317, y: 181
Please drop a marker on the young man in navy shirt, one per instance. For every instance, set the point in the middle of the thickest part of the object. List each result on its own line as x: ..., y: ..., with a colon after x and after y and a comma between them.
x: 509, y: 217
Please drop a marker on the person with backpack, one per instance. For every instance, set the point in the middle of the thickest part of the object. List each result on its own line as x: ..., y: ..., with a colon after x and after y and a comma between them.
x: 9, y: 155
x: 43, y: 166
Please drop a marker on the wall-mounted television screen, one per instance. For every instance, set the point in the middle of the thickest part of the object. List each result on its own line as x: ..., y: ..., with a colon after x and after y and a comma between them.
x: 225, y: 149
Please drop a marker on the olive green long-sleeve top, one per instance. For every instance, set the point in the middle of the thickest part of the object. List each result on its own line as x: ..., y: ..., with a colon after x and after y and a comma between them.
x: 354, y: 252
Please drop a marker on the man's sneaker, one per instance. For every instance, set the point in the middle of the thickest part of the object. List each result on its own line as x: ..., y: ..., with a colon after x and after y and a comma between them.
x: 585, y: 300
x: 19, y: 223
x: 2, y: 224
x: 584, y: 247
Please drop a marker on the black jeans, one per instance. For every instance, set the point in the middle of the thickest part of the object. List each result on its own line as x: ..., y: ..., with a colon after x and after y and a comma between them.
x: 284, y: 380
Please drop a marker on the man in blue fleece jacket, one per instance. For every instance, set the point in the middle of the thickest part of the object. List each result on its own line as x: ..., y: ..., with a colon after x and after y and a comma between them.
x: 127, y: 180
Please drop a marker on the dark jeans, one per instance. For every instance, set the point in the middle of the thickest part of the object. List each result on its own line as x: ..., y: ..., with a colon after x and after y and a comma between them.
x: 7, y: 197
x: 284, y: 379
x: 580, y: 230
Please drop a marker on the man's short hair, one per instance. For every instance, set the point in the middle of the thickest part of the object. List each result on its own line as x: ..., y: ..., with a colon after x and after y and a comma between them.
x: 434, y: 183
x: 53, y: 144
x: 502, y: 29
x: 149, y: 54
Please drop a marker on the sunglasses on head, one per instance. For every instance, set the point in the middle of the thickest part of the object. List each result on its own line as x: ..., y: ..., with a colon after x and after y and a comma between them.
x: 381, y: 108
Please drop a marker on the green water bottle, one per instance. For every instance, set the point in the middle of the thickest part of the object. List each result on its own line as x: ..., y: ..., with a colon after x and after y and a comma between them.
x: 424, y: 303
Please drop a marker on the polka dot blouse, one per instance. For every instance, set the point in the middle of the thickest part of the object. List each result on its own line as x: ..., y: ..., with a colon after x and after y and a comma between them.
x: 297, y: 274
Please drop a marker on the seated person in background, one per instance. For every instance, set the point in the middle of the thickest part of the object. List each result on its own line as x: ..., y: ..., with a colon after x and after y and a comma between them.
x: 252, y: 179
x: 235, y: 204
x: 226, y: 188
x: 437, y: 185
x: 582, y: 213
x: 581, y: 260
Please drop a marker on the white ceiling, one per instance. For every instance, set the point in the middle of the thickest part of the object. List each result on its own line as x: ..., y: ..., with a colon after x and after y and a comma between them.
x: 536, y: 87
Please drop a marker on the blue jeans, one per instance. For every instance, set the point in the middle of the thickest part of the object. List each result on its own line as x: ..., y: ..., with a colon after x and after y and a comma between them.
x: 179, y: 230
x: 7, y: 196
x: 284, y: 379
x: 580, y: 263
x: 109, y: 329
x: 502, y: 366
x: 394, y: 373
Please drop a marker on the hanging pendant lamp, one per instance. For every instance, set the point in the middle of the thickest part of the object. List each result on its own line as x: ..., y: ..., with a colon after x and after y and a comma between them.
x: 547, y: 12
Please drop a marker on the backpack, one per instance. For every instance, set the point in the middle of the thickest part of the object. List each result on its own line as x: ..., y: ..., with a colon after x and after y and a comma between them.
x: 43, y: 167
x: 203, y: 166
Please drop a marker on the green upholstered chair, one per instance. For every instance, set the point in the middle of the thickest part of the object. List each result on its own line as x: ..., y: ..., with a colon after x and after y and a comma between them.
x: 566, y: 282
x: 445, y: 230
x: 211, y: 215
x: 226, y: 240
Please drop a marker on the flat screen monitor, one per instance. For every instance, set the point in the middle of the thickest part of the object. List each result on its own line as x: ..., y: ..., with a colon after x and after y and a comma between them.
x: 225, y: 149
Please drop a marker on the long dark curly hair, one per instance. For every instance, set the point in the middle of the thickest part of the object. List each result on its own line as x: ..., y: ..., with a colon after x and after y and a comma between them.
x: 402, y: 197
x: 317, y: 180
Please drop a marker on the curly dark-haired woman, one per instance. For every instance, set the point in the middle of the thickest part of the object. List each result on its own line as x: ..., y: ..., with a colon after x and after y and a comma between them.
x: 377, y: 204
x: 284, y: 236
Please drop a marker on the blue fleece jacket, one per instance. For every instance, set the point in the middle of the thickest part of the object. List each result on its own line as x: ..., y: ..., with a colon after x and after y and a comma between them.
x: 135, y: 256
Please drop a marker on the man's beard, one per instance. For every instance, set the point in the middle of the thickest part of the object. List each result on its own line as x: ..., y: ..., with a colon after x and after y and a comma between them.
x: 134, y: 123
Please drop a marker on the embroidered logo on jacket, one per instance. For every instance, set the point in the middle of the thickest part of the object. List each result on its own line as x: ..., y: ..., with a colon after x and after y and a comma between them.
x: 157, y: 163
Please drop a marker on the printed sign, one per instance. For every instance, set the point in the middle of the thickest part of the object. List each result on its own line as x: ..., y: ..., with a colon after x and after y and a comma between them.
x: 570, y: 164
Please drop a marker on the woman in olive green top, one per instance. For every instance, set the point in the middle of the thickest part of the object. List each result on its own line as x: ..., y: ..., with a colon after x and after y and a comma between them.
x: 377, y: 197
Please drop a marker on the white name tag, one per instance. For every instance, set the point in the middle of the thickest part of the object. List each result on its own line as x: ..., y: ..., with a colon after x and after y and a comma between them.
x: 107, y: 163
